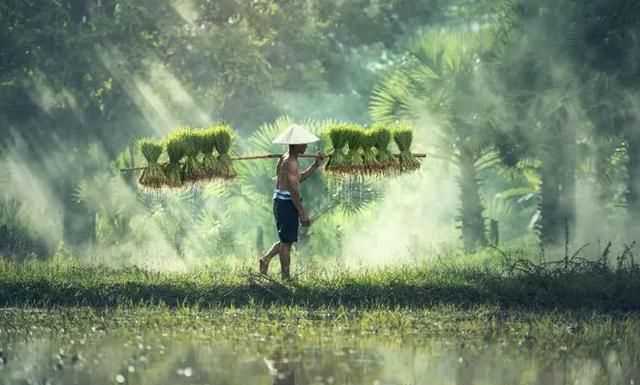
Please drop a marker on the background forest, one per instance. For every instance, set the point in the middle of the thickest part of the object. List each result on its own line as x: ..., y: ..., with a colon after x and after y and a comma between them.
x: 528, y: 111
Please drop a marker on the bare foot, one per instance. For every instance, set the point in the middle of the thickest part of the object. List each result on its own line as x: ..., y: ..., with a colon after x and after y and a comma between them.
x: 263, y: 267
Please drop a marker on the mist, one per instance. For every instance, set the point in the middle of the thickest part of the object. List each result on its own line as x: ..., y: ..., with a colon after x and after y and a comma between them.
x: 554, y: 164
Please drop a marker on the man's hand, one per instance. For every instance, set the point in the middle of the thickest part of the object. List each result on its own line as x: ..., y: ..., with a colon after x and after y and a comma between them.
x: 320, y: 158
x: 304, y: 220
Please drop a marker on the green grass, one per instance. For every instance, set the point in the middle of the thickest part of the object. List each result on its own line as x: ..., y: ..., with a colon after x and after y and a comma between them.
x: 491, y: 321
x: 585, y: 286
x: 556, y: 327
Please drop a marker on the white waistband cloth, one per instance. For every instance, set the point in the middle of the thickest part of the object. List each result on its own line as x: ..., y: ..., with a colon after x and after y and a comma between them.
x: 281, y: 195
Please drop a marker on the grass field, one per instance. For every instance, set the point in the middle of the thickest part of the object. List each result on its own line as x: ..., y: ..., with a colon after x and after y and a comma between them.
x: 482, y: 322
x: 514, y: 285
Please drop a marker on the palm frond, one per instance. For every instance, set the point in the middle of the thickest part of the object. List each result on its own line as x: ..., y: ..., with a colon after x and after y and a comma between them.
x: 488, y: 159
x: 262, y: 138
x: 353, y: 195
x: 389, y: 100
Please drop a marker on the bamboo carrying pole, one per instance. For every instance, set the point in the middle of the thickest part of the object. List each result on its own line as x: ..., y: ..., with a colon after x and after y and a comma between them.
x: 256, y: 157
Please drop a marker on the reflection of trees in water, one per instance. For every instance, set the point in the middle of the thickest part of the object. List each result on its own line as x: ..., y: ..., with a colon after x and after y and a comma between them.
x: 319, y: 364
x: 282, y: 371
x: 293, y: 362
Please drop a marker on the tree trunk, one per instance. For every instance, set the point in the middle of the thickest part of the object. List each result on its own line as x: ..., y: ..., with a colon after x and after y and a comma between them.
x: 605, y: 148
x: 472, y: 221
x: 549, y: 226
x: 632, y: 194
x: 557, y: 206
x: 568, y: 182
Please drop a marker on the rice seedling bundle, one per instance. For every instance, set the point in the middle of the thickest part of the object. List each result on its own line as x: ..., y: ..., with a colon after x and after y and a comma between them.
x: 371, y: 165
x: 384, y: 158
x: 223, y: 140
x: 175, y: 144
x: 367, y: 150
x: 191, y: 169
x: 339, y: 135
x: 355, y: 139
x: 208, y: 147
x: 403, y: 137
x: 153, y: 175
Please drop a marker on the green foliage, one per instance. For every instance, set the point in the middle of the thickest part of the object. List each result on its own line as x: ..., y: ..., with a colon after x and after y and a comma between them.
x: 223, y: 140
x: 403, y: 137
x: 151, y: 150
x: 441, y: 78
x: 355, y: 141
x: 369, y: 156
x: 339, y: 135
x: 176, y: 150
x: 208, y: 147
x: 382, y: 139
x: 192, y: 141
x: 516, y: 90
x: 368, y: 151
x: 152, y: 176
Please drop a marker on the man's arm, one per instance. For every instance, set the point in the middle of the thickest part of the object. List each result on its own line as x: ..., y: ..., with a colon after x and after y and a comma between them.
x: 293, y: 177
x: 306, y: 173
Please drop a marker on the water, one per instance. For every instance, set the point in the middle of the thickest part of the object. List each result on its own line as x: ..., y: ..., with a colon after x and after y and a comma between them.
x: 135, y: 353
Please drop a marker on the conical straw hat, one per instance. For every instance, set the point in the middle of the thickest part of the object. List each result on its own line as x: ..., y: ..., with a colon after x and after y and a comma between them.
x: 295, y: 134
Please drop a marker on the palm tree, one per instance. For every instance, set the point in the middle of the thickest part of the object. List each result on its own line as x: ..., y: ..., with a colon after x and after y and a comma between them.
x: 562, y: 65
x: 541, y: 109
x: 608, y: 49
x: 441, y: 78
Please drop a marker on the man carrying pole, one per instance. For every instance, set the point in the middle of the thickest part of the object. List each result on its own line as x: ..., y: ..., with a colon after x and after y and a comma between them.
x: 287, y: 203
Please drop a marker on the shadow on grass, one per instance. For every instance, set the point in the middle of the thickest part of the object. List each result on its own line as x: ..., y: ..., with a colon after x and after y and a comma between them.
x: 602, y: 290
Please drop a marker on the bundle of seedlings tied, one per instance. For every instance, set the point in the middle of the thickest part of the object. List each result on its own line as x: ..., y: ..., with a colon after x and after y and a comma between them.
x: 223, y: 140
x: 338, y: 134
x: 371, y: 165
x: 403, y: 137
x: 368, y: 151
x: 355, y: 160
x: 208, y: 147
x: 152, y: 176
x: 385, y: 161
x: 192, y: 170
x: 176, y: 151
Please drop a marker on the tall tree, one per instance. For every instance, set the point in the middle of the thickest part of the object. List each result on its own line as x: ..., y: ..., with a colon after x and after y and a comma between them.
x: 562, y: 65
x: 442, y: 78
x: 532, y: 73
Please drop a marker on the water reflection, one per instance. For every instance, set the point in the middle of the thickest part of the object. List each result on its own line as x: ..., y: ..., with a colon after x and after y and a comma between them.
x: 105, y: 359
x: 281, y: 369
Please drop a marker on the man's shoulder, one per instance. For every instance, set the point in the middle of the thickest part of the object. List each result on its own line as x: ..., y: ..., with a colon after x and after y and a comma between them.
x: 290, y: 163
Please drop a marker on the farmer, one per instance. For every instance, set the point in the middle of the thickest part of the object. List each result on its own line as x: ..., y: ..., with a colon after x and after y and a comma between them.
x: 287, y: 203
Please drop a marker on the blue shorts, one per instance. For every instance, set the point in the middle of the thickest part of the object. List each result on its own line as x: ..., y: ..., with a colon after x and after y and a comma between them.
x: 287, y: 218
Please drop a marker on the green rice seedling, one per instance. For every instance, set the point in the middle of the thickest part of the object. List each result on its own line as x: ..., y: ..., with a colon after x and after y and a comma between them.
x: 403, y: 137
x: 175, y: 144
x: 355, y: 139
x: 386, y: 162
x: 192, y: 170
x: 338, y: 134
x: 371, y: 165
x: 208, y: 148
x: 153, y: 175
x: 223, y: 140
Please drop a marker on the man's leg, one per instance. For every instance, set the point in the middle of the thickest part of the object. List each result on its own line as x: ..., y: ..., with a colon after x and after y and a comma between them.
x: 285, y: 260
x: 264, y: 261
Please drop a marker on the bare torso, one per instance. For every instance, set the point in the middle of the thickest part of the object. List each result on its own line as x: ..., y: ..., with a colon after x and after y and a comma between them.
x: 282, y: 178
